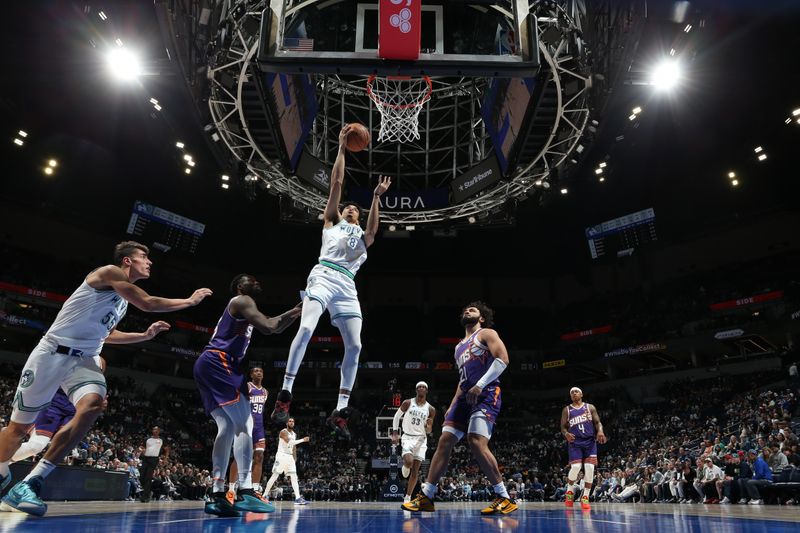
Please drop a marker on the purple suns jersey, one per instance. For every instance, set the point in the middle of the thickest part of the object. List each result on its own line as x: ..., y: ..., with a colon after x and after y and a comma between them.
x: 258, y: 397
x: 473, y: 359
x: 232, y: 336
x: 580, y: 422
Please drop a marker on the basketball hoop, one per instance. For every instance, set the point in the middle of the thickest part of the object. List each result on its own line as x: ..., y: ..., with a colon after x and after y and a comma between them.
x: 399, y: 100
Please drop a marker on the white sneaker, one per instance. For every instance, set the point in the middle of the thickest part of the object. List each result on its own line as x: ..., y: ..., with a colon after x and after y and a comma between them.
x: 405, y: 471
x: 756, y: 502
x: 743, y: 500
x: 725, y: 500
x: 406, y: 498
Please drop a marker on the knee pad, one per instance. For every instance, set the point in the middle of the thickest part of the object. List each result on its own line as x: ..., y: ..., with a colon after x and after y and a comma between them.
x: 588, y: 473
x: 574, y: 470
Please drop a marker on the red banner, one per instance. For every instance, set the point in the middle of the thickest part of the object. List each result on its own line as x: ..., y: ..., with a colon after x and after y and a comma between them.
x: 586, y: 333
x: 191, y: 327
x: 741, y: 302
x: 19, y: 289
x: 326, y: 340
x: 399, y: 29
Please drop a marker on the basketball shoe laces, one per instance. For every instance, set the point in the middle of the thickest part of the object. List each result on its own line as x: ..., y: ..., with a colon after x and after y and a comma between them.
x: 496, y: 503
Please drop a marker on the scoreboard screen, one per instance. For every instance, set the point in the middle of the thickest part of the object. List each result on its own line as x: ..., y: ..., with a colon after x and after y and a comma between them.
x: 164, y: 229
x: 622, y: 235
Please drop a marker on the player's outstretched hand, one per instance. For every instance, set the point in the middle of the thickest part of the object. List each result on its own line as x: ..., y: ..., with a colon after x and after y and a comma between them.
x: 383, y: 185
x: 297, y: 310
x: 199, y: 295
x: 472, y: 394
x: 570, y: 437
x: 601, y: 438
x: 343, y: 135
x: 156, y: 328
x: 306, y: 439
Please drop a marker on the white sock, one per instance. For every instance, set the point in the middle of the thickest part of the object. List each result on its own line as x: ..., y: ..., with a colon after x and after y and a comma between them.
x: 343, y: 401
x: 429, y: 490
x: 4, y: 470
x: 500, y: 490
x: 288, y: 382
x: 42, y: 469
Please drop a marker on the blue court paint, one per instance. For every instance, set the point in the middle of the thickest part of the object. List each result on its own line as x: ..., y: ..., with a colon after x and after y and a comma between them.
x: 384, y: 519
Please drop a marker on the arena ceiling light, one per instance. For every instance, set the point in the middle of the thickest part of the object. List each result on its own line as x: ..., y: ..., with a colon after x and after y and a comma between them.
x: 22, y: 133
x: 666, y: 75
x: 18, y: 141
x: 52, y: 163
x: 226, y: 186
x: 796, y: 112
x: 735, y: 183
x: 225, y: 177
x: 564, y: 190
x: 102, y: 16
x: 731, y: 175
x: 758, y: 149
x: 124, y: 64
x: 187, y: 170
x: 179, y: 144
x: 48, y: 170
x: 762, y: 157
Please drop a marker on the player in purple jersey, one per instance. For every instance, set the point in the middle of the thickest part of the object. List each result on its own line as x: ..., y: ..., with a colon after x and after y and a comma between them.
x: 257, y: 395
x: 223, y: 390
x: 581, y: 426
x: 481, y: 357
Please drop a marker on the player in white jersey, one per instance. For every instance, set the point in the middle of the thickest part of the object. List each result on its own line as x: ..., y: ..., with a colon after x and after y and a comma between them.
x: 417, y: 415
x: 331, y: 286
x: 285, y: 459
x: 64, y: 358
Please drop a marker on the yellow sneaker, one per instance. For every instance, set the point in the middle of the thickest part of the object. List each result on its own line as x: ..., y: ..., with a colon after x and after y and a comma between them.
x: 569, y: 498
x: 419, y: 504
x: 500, y: 505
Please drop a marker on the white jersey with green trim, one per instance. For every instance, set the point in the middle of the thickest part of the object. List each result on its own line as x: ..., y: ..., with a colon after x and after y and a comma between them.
x: 343, y: 245
x: 87, y: 318
x: 416, y: 418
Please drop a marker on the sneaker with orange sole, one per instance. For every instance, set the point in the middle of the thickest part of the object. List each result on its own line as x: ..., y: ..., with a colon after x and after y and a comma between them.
x: 500, y: 505
x: 585, y: 503
x: 569, y: 498
x: 419, y: 504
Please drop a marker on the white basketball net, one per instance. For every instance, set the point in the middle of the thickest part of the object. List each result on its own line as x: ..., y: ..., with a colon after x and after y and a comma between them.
x: 399, y: 100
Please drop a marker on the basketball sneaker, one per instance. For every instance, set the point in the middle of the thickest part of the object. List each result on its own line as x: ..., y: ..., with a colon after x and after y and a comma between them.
x: 585, y: 503
x: 405, y: 470
x: 280, y: 413
x: 24, y: 496
x: 500, y: 505
x: 220, y: 505
x: 419, y: 504
x: 249, y: 501
x: 301, y: 501
x: 338, y: 421
x: 569, y: 498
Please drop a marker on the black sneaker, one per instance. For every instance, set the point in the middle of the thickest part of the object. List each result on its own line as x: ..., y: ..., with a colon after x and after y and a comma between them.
x: 280, y: 414
x: 338, y: 424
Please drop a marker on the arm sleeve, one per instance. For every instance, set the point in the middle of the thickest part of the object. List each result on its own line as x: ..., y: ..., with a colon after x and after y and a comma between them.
x: 294, y: 442
x: 492, y: 374
x: 396, y: 421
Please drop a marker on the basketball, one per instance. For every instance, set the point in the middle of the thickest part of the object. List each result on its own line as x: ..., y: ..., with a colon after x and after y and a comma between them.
x: 358, y: 138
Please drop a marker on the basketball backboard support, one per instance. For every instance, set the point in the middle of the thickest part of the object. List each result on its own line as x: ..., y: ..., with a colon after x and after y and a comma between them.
x: 500, y: 39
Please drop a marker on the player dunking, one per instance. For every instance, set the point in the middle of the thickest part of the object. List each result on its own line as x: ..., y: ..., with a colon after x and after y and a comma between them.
x: 64, y: 358
x: 286, y: 461
x: 581, y: 426
x: 331, y: 285
x: 258, y: 397
x: 223, y: 390
x: 481, y: 357
x: 417, y: 415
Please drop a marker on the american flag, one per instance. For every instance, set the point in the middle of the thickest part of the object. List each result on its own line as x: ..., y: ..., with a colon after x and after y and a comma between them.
x: 304, y: 45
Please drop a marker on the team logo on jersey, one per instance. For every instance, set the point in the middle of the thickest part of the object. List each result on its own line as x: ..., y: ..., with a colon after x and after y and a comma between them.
x: 27, y: 379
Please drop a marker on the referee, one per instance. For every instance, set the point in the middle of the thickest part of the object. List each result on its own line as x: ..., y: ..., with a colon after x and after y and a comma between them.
x: 150, y: 462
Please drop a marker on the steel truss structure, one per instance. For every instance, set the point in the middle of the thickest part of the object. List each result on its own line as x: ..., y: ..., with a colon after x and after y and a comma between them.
x: 453, y: 136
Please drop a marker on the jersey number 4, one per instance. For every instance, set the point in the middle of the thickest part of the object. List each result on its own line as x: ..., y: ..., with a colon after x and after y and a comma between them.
x: 583, y: 430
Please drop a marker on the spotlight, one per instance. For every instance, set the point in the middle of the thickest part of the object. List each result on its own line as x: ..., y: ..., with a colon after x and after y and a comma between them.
x: 157, y: 107
x: 731, y: 175
x: 666, y: 75
x: 687, y: 29
x: 636, y: 110
x: 226, y: 186
x: 758, y: 149
x: 22, y: 133
x: 632, y: 117
x: 762, y: 157
x: 392, y: 227
x: 564, y: 190
x: 735, y: 183
x: 410, y: 228
x: 102, y: 16
x: 18, y: 141
x: 52, y: 163
x: 471, y: 220
x: 602, y: 179
x: 603, y: 165
x: 187, y: 157
x: 187, y: 170
x: 191, y: 163
x: 48, y: 171
x: 124, y: 64
x: 796, y: 112
x: 154, y: 101
x: 225, y: 177
x: 119, y: 42
x: 598, y: 171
